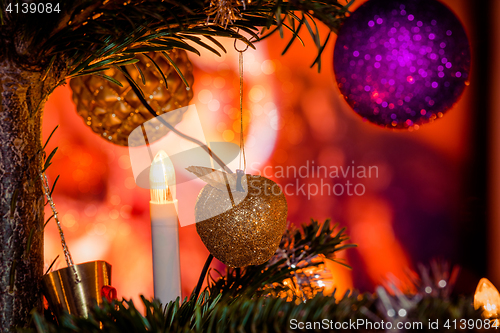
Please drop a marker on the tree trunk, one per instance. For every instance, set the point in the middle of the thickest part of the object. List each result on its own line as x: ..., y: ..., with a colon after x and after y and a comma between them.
x: 22, y: 96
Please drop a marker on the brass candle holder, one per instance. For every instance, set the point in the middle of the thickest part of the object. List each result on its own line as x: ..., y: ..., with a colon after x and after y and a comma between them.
x: 65, y: 294
x: 76, y: 288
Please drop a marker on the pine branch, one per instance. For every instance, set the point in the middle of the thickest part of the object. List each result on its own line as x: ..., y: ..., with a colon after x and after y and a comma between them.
x: 238, y: 302
x: 239, y: 285
x: 91, y: 35
x: 246, y: 314
x: 296, y: 251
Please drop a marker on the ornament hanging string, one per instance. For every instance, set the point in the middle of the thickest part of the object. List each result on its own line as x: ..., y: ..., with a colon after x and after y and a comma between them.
x: 242, y: 138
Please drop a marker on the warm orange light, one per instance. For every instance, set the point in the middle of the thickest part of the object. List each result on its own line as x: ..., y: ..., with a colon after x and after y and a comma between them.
x: 488, y: 298
x: 371, y: 219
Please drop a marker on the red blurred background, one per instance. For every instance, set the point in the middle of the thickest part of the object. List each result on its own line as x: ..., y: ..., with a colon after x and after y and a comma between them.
x: 418, y: 207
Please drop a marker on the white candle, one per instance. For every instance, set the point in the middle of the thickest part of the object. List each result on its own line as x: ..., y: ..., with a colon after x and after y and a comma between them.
x: 164, y: 230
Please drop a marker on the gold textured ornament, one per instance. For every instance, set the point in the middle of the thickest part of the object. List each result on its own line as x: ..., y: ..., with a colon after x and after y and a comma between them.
x: 314, y: 278
x: 247, y: 232
x: 114, y: 112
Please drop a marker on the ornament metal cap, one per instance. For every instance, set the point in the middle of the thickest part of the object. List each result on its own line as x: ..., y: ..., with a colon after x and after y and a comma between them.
x: 64, y: 294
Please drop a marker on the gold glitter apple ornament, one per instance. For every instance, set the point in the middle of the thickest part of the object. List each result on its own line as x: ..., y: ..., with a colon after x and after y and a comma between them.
x: 240, y: 217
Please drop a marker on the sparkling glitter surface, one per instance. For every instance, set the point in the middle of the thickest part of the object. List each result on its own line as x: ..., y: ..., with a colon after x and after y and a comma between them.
x: 401, y: 63
x: 250, y: 232
x: 114, y: 112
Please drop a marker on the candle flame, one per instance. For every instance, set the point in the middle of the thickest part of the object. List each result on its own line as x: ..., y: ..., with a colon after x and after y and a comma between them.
x: 161, y: 175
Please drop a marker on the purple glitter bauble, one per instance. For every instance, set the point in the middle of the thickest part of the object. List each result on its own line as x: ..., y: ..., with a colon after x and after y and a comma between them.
x: 401, y: 63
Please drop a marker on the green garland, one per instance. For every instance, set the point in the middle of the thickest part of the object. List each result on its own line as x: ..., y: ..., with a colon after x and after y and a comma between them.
x: 255, y: 299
